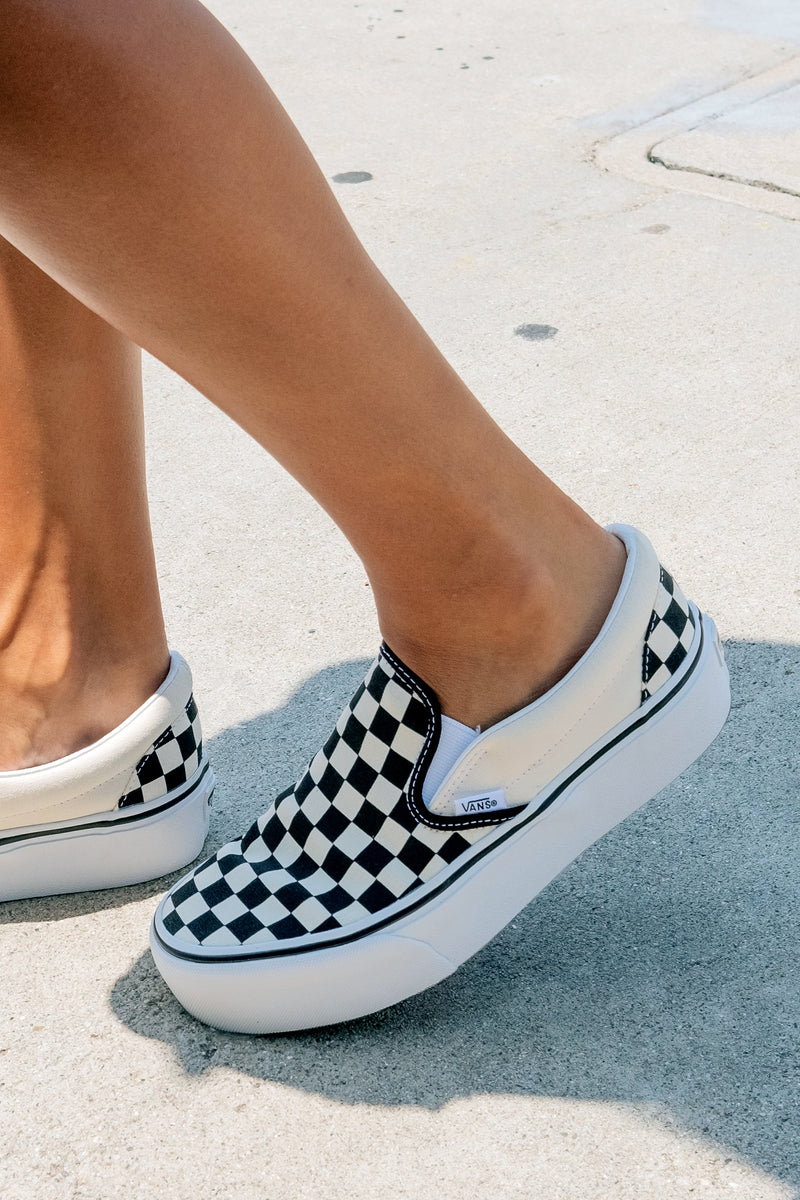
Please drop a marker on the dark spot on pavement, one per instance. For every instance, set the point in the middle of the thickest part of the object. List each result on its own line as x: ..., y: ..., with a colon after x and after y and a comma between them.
x: 352, y: 177
x: 655, y: 228
x: 488, y: 58
x: 536, y: 333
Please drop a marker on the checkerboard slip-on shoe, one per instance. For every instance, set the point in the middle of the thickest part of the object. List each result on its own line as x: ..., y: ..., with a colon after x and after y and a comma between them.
x: 130, y: 807
x: 349, y: 895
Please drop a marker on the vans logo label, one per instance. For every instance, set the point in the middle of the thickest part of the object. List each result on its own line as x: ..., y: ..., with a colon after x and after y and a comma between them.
x: 481, y: 804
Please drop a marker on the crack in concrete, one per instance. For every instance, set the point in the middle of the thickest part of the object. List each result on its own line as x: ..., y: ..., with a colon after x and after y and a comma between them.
x: 642, y: 151
x: 755, y: 183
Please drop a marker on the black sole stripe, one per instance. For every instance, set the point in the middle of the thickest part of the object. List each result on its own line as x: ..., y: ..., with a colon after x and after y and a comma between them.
x: 132, y: 817
x: 509, y: 831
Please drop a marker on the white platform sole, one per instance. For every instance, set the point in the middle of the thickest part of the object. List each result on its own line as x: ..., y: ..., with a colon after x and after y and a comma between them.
x: 111, y: 850
x: 425, y: 937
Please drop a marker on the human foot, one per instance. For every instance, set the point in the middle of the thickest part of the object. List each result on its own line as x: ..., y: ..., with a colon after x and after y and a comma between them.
x: 349, y: 894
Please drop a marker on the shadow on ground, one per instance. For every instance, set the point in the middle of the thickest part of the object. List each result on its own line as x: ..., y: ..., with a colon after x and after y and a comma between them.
x: 660, y: 970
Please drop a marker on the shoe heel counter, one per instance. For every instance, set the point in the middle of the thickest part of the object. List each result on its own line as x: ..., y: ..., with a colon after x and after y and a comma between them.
x: 171, y: 761
x: 670, y: 634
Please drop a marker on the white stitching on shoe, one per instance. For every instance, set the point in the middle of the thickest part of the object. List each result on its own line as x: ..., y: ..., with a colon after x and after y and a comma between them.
x: 438, y: 822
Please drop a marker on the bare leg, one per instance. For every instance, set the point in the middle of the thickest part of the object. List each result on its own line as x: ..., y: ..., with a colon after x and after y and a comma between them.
x: 145, y: 164
x: 81, y: 634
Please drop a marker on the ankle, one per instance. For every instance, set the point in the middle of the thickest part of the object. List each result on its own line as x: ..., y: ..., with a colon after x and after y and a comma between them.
x: 489, y: 647
x: 48, y: 716
x: 79, y: 651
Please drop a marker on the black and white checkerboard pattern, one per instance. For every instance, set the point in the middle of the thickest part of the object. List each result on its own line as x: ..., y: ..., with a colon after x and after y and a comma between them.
x: 170, y: 762
x: 669, y: 636
x: 340, y: 846
x: 346, y: 843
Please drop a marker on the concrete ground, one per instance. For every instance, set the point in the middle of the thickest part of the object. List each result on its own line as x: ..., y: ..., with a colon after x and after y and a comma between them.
x: 634, y: 326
